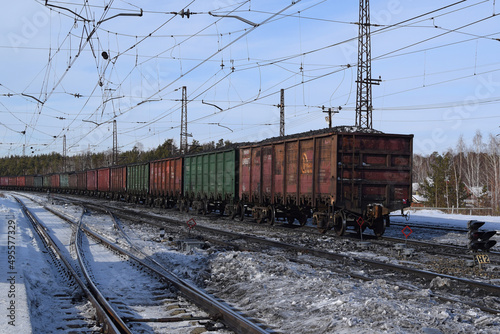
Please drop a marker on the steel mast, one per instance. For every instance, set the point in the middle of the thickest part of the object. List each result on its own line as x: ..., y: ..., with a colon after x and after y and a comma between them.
x: 364, y: 80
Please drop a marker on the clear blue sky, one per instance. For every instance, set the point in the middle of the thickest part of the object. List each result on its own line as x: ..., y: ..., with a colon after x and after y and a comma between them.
x: 438, y: 61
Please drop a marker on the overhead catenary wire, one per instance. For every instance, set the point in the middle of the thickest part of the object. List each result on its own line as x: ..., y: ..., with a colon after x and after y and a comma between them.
x: 166, y: 95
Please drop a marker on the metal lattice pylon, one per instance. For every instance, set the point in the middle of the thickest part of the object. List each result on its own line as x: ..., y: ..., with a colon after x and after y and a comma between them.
x: 64, y: 153
x: 364, y: 80
x: 184, y: 134
x: 282, y: 113
x: 115, y: 144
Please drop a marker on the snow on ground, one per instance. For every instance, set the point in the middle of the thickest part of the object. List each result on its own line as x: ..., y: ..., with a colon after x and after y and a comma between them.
x: 14, y: 313
x: 438, y: 218
x: 298, y: 298
x: 37, y: 283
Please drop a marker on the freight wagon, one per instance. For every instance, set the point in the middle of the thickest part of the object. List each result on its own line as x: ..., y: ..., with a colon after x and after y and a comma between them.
x: 38, y: 182
x: 91, y: 182
x: 118, y: 182
x: 339, y: 179
x: 64, y: 182
x: 12, y: 182
x: 46, y: 182
x: 81, y: 182
x: 210, y: 181
x: 30, y: 182
x: 336, y: 177
x: 165, y: 182
x: 138, y: 183
x: 73, y: 182
x: 4, y: 182
x: 103, y: 181
x: 55, y: 183
x: 21, y: 182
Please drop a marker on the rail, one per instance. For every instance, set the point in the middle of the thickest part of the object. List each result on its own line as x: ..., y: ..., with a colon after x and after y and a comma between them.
x: 107, y: 324
x: 92, y: 287
x: 217, y: 309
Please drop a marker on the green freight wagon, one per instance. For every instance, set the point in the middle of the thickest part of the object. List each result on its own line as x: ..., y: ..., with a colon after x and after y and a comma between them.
x: 210, y: 180
x: 38, y: 182
x: 138, y: 183
x: 64, y: 182
x: 46, y: 181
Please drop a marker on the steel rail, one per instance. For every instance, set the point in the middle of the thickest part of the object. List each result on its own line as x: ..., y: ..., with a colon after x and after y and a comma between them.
x: 127, y: 214
x: 444, y: 246
x: 217, y: 309
x: 322, y: 254
x: 120, y: 323
x: 107, y: 324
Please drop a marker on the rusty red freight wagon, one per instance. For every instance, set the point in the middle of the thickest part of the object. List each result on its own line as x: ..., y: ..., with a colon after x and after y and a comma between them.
x: 118, y: 181
x: 29, y: 183
x: 55, y: 184
x: 21, y: 182
x: 73, y: 182
x: 339, y: 179
x: 91, y: 180
x: 12, y: 182
x: 81, y: 182
x: 4, y: 181
x: 165, y: 181
x: 103, y: 181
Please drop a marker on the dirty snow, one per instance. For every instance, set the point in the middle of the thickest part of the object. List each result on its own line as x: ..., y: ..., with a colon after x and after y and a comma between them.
x: 288, y: 296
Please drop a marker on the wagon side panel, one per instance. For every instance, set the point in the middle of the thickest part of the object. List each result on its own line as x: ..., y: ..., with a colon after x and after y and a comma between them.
x: 91, y: 180
x: 374, y: 169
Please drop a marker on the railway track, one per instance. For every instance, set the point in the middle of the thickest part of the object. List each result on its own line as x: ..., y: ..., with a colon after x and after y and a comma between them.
x: 216, y: 309
x: 245, y: 242
x: 75, y: 321
x: 457, y: 299
x: 388, y: 246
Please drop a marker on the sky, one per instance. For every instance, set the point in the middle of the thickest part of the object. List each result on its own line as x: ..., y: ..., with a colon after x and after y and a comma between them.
x: 70, y: 70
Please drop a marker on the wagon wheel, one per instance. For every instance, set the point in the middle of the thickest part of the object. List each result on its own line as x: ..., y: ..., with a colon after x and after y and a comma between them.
x: 290, y: 220
x: 339, y: 224
x: 272, y: 215
x: 380, y: 225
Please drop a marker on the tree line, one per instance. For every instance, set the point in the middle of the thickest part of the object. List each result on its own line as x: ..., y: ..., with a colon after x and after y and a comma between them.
x: 57, y: 163
x: 466, y: 176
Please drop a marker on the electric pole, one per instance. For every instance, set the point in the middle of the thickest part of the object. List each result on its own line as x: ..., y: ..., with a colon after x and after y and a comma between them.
x: 114, y: 154
x: 364, y: 80
x: 184, y: 134
x: 64, y: 153
x: 331, y: 111
x: 282, y: 113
